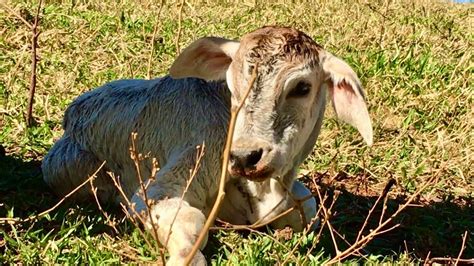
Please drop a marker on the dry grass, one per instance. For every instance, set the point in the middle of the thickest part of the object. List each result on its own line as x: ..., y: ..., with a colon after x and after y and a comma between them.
x: 414, y: 57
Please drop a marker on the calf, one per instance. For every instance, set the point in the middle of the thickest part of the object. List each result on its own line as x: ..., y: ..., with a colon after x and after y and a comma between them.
x: 275, y: 131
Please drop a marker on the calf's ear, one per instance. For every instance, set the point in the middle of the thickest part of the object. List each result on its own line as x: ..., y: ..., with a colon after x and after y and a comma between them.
x: 347, y: 95
x: 207, y: 58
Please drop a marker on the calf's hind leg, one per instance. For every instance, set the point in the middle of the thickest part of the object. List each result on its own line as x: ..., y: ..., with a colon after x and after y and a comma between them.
x: 67, y: 166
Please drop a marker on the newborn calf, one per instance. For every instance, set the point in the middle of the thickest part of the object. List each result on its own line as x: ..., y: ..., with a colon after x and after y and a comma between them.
x: 275, y: 131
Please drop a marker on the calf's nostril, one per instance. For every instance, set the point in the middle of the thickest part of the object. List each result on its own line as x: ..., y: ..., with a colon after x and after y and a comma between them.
x: 253, y: 158
x: 236, y: 161
x: 244, y: 159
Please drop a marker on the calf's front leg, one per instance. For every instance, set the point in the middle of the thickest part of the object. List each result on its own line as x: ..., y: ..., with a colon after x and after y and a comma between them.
x: 176, y: 216
x: 307, y: 207
x: 248, y: 202
x: 177, y: 225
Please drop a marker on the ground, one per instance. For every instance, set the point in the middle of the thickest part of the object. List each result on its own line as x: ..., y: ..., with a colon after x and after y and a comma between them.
x: 413, y: 57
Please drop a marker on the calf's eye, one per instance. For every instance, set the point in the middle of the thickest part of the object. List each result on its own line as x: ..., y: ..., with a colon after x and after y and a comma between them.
x: 300, y: 90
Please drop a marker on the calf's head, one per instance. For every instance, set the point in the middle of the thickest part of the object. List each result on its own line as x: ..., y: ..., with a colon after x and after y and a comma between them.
x: 281, y: 117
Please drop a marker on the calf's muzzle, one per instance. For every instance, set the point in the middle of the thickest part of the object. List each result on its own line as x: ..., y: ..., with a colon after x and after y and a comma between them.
x: 251, y: 159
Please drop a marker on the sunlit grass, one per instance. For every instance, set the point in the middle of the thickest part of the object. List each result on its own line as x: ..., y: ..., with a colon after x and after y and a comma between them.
x: 413, y: 57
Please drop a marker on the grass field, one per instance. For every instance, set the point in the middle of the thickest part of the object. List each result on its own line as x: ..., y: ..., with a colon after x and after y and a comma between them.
x: 415, y: 59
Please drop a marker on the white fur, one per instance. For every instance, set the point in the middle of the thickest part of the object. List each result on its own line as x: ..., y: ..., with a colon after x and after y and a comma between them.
x: 172, y: 117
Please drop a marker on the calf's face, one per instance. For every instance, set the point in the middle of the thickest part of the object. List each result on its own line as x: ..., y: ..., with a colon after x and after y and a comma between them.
x: 285, y: 105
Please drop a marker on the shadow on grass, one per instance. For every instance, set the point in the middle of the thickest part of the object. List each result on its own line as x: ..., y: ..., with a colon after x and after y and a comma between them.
x: 22, y: 187
x: 433, y: 228
x: 23, y: 192
x: 427, y: 229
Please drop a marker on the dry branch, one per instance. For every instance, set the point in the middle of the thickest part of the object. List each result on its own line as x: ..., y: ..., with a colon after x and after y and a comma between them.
x: 327, y: 212
x: 155, y: 29
x: 34, y: 62
x: 305, y: 231
x: 192, y: 174
x: 225, y: 161
x: 34, y: 217
x: 135, y: 156
x: 130, y: 206
x: 259, y: 223
x: 463, y: 246
x: 383, y: 195
x: 34, y: 57
x: 448, y: 261
x: 180, y: 21
x: 11, y: 11
x: 253, y: 226
x: 296, y: 201
x: 381, y: 228
x: 107, y: 217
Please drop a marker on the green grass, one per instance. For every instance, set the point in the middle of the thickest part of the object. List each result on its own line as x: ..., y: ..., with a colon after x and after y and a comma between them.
x: 415, y: 60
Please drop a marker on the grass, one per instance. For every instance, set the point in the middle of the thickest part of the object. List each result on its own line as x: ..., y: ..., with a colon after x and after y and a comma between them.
x: 414, y: 57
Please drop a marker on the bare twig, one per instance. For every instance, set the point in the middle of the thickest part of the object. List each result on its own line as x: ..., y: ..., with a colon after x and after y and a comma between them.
x: 296, y: 201
x: 34, y: 61
x: 259, y: 223
x: 383, y: 195
x: 446, y: 261
x: 180, y: 20
x: 305, y: 231
x: 384, y: 204
x: 427, y: 259
x: 125, y: 197
x: 16, y: 15
x: 327, y: 213
x: 229, y: 226
x: 380, y: 229
x: 322, y: 204
x: 154, y: 169
x: 132, y: 257
x: 155, y: 29
x: 192, y: 174
x: 107, y: 217
x: 327, y: 216
x: 134, y: 215
x: 463, y: 246
x: 135, y: 156
x: 34, y: 217
x: 132, y: 218
x: 94, y: 175
x: 224, y: 173
x: 344, y: 239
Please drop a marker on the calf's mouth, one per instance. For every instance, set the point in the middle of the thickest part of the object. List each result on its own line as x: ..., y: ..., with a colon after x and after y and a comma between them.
x: 258, y: 173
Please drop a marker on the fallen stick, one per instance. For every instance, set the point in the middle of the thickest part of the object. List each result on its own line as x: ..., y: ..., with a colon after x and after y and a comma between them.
x: 34, y: 62
x: 225, y: 162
